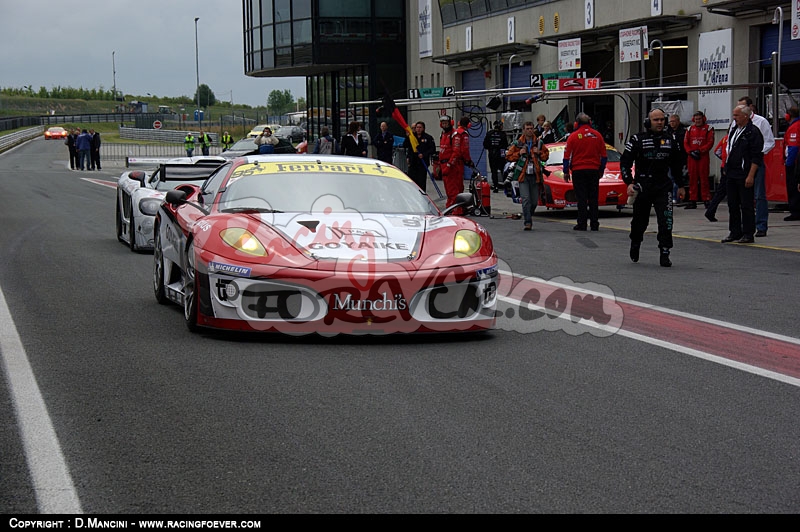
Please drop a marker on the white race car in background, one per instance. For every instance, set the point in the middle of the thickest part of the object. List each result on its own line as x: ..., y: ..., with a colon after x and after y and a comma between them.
x: 133, y: 226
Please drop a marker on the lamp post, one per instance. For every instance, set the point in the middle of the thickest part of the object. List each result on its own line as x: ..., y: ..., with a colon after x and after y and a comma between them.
x: 197, y: 68
x: 660, y: 65
x: 510, y: 59
x: 114, y: 72
x: 777, y: 18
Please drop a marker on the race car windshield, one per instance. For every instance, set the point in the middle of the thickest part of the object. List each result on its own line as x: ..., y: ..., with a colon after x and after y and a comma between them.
x: 306, y: 192
x: 557, y: 157
x: 168, y: 177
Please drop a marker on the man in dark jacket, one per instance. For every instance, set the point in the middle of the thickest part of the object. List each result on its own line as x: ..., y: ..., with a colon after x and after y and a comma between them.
x: 73, y: 150
x: 384, y: 144
x: 95, y: 155
x: 745, y: 143
x: 496, y: 144
x: 419, y: 162
x: 653, y: 151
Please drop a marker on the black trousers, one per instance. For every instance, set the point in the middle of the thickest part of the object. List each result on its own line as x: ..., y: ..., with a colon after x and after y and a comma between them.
x: 418, y: 174
x: 496, y: 165
x: 74, y: 159
x: 791, y: 190
x: 661, y: 201
x: 719, y: 194
x: 95, y: 156
x: 586, y: 184
x: 741, y: 209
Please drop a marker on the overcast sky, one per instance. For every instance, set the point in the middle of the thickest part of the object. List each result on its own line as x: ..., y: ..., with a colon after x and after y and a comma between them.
x: 66, y: 43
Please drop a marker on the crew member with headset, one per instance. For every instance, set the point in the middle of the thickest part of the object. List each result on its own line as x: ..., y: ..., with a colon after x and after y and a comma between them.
x: 653, y: 151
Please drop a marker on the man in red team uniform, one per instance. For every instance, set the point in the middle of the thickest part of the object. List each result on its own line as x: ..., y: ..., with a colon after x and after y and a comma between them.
x: 790, y: 152
x: 585, y: 156
x: 698, y: 142
x: 453, y: 156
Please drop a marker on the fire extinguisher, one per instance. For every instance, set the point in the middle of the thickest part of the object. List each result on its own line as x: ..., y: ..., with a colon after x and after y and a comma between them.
x: 486, y: 197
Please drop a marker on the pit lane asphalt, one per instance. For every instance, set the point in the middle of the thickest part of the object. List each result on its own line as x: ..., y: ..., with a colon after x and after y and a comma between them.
x: 154, y: 419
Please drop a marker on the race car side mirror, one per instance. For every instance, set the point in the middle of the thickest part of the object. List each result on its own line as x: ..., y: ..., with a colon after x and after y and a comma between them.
x: 464, y: 199
x: 175, y: 197
x: 138, y: 175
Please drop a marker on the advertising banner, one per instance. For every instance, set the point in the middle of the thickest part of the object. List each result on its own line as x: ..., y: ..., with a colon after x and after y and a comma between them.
x: 569, y: 54
x: 715, y: 67
x: 425, y: 36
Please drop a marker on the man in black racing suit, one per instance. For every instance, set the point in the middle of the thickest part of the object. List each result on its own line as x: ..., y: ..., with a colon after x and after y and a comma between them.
x: 653, y: 151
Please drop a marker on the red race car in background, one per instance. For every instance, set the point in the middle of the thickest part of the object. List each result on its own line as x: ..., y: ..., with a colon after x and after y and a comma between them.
x: 557, y: 193
x: 55, y: 133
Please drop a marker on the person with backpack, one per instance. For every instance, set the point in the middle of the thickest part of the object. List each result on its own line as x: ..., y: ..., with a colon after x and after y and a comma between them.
x: 325, y: 144
x: 352, y: 143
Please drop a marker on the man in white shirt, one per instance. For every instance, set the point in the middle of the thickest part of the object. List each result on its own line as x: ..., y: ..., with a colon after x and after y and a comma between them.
x: 759, y: 188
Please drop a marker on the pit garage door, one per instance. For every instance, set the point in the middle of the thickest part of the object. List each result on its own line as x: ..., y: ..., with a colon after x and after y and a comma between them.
x: 472, y: 80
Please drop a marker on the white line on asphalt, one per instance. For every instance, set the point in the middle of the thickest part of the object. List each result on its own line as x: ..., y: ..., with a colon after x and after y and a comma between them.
x: 661, y: 343
x: 103, y: 182
x: 703, y: 319
x: 52, y: 483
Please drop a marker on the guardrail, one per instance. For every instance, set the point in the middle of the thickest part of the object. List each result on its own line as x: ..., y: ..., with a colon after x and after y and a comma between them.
x: 124, y: 151
x: 11, y: 140
x: 161, y: 135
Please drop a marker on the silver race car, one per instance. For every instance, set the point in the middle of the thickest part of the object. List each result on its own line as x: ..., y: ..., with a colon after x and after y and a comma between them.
x: 133, y: 226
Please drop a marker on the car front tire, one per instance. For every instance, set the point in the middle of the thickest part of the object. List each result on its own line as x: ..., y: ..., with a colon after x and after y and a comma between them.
x: 159, y: 289
x: 190, y: 290
x: 132, y: 229
x: 119, y: 222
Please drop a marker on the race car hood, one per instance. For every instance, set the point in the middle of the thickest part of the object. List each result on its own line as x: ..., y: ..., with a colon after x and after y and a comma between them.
x: 353, y: 236
x: 329, y: 241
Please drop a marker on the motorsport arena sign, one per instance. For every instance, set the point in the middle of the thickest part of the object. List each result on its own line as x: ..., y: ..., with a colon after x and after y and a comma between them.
x: 714, y: 67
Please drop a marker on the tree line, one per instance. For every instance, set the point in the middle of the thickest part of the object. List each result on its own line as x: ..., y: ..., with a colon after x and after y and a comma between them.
x: 278, y: 101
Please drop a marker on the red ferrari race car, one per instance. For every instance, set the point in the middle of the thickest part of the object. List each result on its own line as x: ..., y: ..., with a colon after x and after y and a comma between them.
x: 328, y: 245
x: 55, y: 133
x: 557, y: 193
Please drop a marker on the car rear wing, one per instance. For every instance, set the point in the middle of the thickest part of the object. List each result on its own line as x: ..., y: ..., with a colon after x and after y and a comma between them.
x: 145, y: 161
x: 182, y: 172
x: 155, y: 161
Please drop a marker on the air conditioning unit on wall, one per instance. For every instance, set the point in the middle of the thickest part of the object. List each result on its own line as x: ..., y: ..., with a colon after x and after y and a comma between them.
x: 682, y: 108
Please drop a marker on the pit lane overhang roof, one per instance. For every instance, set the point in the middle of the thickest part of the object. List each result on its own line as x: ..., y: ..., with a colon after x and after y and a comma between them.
x: 484, y: 55
x: 606, y: 37
x: 743, y: 8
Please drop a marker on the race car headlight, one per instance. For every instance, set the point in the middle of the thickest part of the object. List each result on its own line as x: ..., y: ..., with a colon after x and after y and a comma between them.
x: 466, y: 243
x: 243, y: 240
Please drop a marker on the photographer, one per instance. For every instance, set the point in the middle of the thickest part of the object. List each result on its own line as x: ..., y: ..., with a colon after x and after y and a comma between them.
x: 528, y: 152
